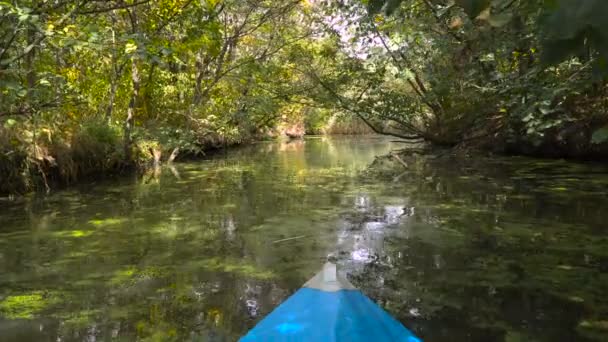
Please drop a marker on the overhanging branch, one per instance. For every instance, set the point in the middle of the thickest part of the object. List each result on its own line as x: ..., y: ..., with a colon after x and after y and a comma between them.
x: 344, y: 105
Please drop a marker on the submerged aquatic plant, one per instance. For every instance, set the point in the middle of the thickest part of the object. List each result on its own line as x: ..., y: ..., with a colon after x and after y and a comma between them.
x: 27, y: 305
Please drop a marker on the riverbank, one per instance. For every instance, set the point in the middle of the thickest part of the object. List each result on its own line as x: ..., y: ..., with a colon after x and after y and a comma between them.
x: 41, y: 159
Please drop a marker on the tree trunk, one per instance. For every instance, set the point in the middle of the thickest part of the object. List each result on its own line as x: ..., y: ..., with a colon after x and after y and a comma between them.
x: 113, y: 89
x: 225, y: 55
x: 201, y: 65
x: 29, y: 62
x: 135, y: 79
x: 115, y: 75
x: 128, y: 127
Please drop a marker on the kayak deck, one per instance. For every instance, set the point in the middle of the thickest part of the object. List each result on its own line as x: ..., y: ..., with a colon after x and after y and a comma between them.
x: 329, y: 308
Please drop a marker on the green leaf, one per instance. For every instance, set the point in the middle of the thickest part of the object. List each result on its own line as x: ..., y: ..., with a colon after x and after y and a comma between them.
x: 10, y: 123
x: 6, y: 4
x: 600, y: 136
x: 130, y: 48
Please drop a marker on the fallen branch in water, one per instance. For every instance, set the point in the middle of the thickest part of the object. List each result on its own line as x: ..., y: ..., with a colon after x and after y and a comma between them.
x: 405, y: 142
x: 291, y: 238
x: 396, y: 179
x: 400, y: 160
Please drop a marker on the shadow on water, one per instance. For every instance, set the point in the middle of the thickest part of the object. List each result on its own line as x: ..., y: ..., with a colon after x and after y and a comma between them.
x: 484, y: 250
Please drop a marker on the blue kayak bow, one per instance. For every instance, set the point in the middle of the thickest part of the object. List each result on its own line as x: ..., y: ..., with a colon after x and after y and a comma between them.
x: 329, y: 308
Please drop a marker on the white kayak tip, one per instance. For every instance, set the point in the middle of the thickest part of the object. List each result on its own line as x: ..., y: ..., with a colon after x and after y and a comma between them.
x: 330, y: 272
x: 329, y: 280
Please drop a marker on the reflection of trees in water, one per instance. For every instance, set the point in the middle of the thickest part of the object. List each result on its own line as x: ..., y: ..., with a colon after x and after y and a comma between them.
x: 481, y: 256
x: 486, y: 258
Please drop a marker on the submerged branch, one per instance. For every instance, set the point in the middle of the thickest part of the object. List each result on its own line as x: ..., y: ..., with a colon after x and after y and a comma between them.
x: 396, y: 157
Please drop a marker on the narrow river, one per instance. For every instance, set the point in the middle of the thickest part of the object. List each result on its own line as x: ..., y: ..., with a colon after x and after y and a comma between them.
x: 503, y: 249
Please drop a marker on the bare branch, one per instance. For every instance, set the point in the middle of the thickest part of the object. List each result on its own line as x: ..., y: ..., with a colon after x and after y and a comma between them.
x: 112, y: 8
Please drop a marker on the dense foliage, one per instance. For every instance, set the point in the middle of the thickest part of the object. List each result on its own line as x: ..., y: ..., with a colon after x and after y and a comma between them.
x: 528, y: 75
x: 92, y: 86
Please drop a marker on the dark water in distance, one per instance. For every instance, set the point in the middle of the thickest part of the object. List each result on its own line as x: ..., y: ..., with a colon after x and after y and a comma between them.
x: 503, y: 249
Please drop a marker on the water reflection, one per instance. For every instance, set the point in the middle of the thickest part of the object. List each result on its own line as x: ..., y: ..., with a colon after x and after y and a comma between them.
x: 487, y: 251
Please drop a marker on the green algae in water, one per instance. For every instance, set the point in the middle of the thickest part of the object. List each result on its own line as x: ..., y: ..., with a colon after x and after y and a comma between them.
x: 112, y: 221
x: 458, y: 250
x: 72, y: 234
x: 80, y: 319
x: 27, y: 305
x: 232, y: 266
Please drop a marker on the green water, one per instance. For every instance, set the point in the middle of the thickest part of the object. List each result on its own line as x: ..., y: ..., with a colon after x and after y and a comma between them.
x: 505, y: 249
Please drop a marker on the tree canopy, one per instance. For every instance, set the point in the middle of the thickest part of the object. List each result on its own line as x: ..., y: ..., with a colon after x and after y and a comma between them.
x: 89, y: 85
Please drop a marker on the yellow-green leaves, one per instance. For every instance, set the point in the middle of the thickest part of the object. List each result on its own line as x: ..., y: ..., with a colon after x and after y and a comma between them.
x: 50, y: 29
x: 130, y: 48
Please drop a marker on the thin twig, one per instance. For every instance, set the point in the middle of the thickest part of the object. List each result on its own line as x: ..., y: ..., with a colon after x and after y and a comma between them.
x: 291, y: 238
